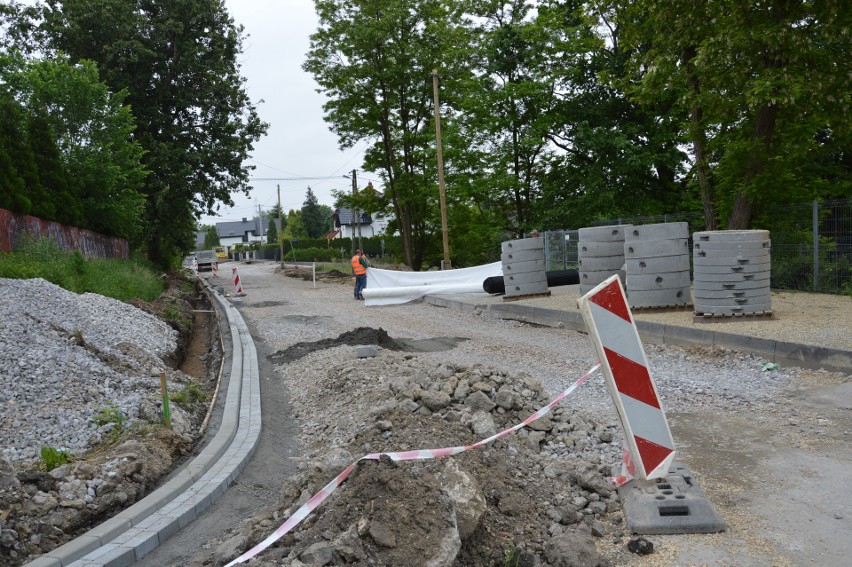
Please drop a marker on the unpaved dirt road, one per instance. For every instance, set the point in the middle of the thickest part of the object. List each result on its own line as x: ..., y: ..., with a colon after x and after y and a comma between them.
x: 777, y: 471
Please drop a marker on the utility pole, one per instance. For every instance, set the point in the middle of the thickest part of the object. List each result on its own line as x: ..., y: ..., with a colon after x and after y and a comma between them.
x: 356, y: 212
x: 446, y: 265
x: 280, y: 228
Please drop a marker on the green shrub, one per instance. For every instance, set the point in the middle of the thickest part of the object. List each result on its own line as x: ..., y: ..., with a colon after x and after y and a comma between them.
x: 111, y: 414
x: 52, y: 458
x: 189, y: 394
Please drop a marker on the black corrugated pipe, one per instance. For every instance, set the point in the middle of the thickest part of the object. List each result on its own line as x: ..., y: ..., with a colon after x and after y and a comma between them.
x: 556, y: 278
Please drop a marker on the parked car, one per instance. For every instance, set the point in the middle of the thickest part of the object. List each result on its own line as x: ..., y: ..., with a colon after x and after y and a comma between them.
x: 206, y: 259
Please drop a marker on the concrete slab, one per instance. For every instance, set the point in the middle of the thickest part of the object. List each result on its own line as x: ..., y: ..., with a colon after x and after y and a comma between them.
x: 522, y: 244
x: 366, y: 351
x: 657, y: 232
x: 678, y: 263
x: 522, y: 255
x: 668, y: 280
x: 644, y: 249
x: 671, y: 505
x: 593, y: 249
x: 524, y: 267
x: 746, y: 245
x: 601, y: 263
x: 703, y: 258
x: 609, y: 233
x: 735, y: 236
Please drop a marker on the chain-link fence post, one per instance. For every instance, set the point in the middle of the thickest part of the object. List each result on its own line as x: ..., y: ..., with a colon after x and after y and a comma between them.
x: 815, y: 218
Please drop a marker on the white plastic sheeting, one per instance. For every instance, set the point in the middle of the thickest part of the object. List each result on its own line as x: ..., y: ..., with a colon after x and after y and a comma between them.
x: 389, y: 287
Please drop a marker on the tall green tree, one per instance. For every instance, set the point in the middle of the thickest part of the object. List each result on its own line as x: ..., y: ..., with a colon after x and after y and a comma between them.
x: 614, y: 156
x: 211, y: 237
x: 178, y: 62
x: 14, y: 157
x: 373, y: 60
x: 93, y: 130
x: 761, y: 98
x: 295, y: 228
x: 56, y: 201
x: 504, y: 112
x: 272, y: 231
x: 312, y: 215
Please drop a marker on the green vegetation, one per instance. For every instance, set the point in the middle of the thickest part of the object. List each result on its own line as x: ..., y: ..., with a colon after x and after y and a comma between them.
x: 119, y: 279
x: 111, y: 415
x: 556, y: 114
x: 344, y: 267
x: 513, y: 557
x: 52, y: 458
x: 189, y: 394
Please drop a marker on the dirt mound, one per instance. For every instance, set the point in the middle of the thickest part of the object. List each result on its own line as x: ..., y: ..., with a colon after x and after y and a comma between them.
x: 332, y: 274
x: 505, y: 503
x: 359, y: 336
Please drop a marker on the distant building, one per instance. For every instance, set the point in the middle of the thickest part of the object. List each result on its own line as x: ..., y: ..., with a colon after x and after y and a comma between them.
x: 246, y: 231
x: 347, y: 223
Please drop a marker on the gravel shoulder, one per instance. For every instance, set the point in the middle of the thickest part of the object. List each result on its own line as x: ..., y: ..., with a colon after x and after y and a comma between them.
x: 768, y: 448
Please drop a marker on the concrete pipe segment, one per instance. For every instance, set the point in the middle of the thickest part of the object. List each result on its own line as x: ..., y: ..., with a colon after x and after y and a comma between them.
x: 732, y: 272
x: 600, y: 254
x: 524, y: 267
x: 657, y: 265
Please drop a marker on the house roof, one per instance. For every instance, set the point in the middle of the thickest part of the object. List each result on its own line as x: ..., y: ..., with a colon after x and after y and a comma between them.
x: 343, y: 216
x: 331, y: 234
x: 236, y: 228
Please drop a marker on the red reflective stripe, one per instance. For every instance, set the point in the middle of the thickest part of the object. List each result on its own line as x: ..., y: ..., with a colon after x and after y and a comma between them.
x: 651, y: 453
x: 610, y: 298
x: 632, y: 379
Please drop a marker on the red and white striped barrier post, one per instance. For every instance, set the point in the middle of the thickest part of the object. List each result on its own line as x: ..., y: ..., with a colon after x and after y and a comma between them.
x: 616, y: 340
x: 215, y: 267
x: 238, y: 287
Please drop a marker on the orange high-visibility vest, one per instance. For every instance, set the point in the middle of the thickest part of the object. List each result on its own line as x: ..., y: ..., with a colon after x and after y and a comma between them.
x: 357, y: 266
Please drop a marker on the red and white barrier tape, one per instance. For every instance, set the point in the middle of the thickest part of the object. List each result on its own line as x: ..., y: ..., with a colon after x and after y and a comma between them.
x: 417, y: 454
x: 627, y: 472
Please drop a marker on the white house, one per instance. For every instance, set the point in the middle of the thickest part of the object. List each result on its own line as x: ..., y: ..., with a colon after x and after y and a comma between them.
x: 347, y: 224
x: 242, y: 232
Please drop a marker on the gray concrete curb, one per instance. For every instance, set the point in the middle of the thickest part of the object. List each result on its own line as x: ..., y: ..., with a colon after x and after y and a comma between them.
x: 780, y: 352
x: 135, y: 532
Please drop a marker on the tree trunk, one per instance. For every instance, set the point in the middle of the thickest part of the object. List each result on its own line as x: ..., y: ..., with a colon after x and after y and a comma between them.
x: 699, y: 138
x: 761, y: 141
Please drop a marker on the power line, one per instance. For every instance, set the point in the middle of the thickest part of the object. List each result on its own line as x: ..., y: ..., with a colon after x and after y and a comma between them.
x: 291, y: 178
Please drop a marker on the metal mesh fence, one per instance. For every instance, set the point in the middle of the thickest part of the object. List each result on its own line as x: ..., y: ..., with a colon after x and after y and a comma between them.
x: 811, y: 243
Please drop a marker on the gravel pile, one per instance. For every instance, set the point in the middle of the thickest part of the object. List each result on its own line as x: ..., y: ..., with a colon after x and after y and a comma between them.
x: 64, y: 358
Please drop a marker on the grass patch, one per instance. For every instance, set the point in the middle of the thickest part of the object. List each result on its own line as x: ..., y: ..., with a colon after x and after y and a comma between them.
x: 118, y: 279
x: 188, y: 394
x: 52, y: 458
x: 111, y: 415
x: 344, y: 267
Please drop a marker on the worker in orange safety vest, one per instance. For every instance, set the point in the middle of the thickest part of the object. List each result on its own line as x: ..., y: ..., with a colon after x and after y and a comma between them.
x: 359, y: 268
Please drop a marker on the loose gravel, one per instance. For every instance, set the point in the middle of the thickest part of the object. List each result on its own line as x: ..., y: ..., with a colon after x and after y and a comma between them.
x: 65, y: 358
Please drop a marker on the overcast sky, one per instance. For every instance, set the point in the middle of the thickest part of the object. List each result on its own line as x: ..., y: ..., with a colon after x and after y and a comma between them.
x: 298, y: 143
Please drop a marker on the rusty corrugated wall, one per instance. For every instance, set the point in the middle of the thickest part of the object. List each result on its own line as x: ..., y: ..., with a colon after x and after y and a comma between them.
x: 90, y: 244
